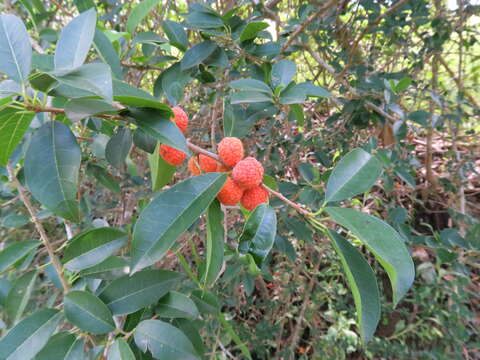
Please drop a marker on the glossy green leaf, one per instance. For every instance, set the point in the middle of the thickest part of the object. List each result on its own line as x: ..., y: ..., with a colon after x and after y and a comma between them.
x: 19, y: 295
x: 75, y: 41
x: 88, y: 312
x: 164, y: 341
x: 5, y: 287
x: 293, y: 94
x: 251, y: 85
x: 283, y: 72
x: 131, y: 293
x: 195, y: 55
x: 52, y: 164
x: 120, y: 350
x: 384, y: 242
x: 81, y: 108
x: 118, y: 147
x: 247, y: 97
x: 170, y: 214
x: 111, y: 268
x: 58, y: 347
x: 139, y: 12
x: 94, y: 79
x: 91, y: 247
x: 259, y: 233
x: 130, y: 95
x: 13, y: 125
x: 176, y: 305
x: 176, y: 34
x: 29, y: 336
x: 104, y: 178
x: 354, y: 174
x: 108, y: 53
x: 206, y: 301
x: 214, y: 247
x: 144, y: 141
x: 252, y: 29
x: 172, y: 82
x: 16, y: 251
x: 155, y: 123
x: 203, y: 20
x: 161, y: 172
x: 15, y: 48
x: 363, y: 284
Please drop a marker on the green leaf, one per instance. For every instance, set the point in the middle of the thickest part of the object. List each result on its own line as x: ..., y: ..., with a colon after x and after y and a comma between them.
x: 60, y: 346
x: 144, y: 141
x: 13, y: 125
x: 403, y: 84
x: 120, y: 351
x: 15, y: 48
x: 203, y: 20
x: 118, y: 147
x: 252, y: 29
x: 148, y: 37
x: 363, y: 284
x: 129, y: 95
x: 176, y: 305
x: 91, y: 247
x: 5, y: 287
x: 29, y: 336
x: 110, y: 268
x: 176, y: 34
x: 104, y: 178
x: 108, y: 53
x: 16, y: 251
x: 161, y: 172
x: 384, y: 242
x: 156, y: 124
x: 247, y: 97
x: 93, y: 79
x: 259, y: 233
x: 75, y: 41
x: 197, y: 54
x: 172, y: 83
x: 293, y: 94
x: 88, y: 312
x: 164, y: 341
x: 81, y: 108
x: 283, y: 72
x: 230, y: 331
x: 354, y: 174
x: 206, y: 301
x: 19, y: 295
x: 251, y: 85
x: 214, y: 247
x: 138, y: 13
x: 313, y: 90
x: 131, y: 293
x: 297, y: 112
x: 52, y: 164
x: 170, y: 214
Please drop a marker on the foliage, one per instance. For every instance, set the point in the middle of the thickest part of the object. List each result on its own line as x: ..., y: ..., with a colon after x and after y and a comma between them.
x: 109, y: 251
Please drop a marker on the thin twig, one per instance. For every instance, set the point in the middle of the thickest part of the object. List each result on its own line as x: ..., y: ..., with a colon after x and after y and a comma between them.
x: 38, y: 225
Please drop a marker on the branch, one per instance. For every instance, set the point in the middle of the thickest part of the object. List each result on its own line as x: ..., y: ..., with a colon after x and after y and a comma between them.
x: 38, y: 225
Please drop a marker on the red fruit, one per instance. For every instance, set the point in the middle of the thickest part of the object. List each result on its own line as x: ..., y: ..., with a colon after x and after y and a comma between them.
x: 253, y: 197
x: 230, y: 194
x: 172, y: 156
x: 230, y: 150
x: 207, y: 164
x: 248, y: 173
x: 181, y: 118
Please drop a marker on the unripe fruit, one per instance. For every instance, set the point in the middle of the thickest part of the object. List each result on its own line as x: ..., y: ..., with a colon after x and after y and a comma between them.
x: 172, y: 156
x: 230, y: 194
x: 230, y: 150
x: 207, y: 164
x: 248, y: 173
x: 253, y: 197
x: 180, y: 118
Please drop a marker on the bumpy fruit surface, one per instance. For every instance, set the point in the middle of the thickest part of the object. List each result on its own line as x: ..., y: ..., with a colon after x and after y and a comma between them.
x: 206, y: 163
x: 230, y: 150
x: 230, y: 194
x: 181, y: 118
x: 172, y: 156
x: 253, y: 197
x: 248, y: 173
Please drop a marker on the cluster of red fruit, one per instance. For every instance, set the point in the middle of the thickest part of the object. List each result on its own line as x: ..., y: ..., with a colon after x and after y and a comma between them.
x: 244, y: 183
